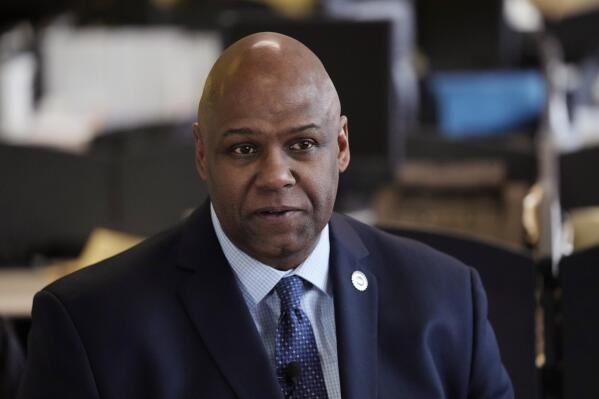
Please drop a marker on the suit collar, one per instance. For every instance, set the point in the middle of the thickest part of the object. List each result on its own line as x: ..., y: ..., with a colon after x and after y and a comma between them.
x: 258, y: 279
x: 215, y: 305
x: 355, y: 312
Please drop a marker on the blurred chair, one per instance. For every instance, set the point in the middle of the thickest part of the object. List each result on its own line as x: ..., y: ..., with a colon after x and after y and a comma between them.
x: 156, y: 191
x: 577, y: 174
x: 516, y: 151
x: 49, y: 202
x: 155, y: 182
x: 579, y: 278
x: 509, y: 280
x: 469, y: 196
x: 12, y: 361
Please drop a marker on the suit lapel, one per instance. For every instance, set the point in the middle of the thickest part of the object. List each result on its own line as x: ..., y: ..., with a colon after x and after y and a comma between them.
x: 214, y: 303
x: 355, y: 313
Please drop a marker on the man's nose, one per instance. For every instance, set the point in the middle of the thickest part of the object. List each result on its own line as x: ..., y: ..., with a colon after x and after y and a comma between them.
x: 274, y: 172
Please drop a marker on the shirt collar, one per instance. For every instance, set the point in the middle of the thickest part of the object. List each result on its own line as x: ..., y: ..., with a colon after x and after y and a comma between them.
x: 259, y: 279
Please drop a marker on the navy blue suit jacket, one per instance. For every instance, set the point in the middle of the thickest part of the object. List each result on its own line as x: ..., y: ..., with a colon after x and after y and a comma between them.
x: 166, y: 319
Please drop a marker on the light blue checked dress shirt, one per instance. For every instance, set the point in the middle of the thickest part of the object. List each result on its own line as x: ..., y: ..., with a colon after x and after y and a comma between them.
x: 257, y: 281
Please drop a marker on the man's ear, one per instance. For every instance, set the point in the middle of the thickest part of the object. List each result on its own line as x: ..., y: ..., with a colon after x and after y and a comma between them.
x: 343, y: 144
x: 200, y: 151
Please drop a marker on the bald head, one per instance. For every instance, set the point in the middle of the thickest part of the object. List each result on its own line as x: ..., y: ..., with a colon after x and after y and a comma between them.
x: 270, y: 144
x: 267, y: 61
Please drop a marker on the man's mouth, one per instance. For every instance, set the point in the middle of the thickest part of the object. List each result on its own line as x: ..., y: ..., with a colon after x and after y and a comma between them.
x: 276, y: 212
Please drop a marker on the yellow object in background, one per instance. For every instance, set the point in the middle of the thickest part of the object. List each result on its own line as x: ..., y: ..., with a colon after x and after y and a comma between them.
x: 584, y: 224
x: 556, y: 9
x: 104, y: 243
x: 291, y: 8
x: 19, y: 285
x: 101, y: 244
x: 530, y: 214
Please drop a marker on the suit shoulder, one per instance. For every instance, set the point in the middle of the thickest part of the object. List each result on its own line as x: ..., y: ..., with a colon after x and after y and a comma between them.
x: 408, y: 271
x: 399, y: 251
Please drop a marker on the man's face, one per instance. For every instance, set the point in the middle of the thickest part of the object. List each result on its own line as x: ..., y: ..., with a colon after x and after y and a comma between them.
x: 271, y: 154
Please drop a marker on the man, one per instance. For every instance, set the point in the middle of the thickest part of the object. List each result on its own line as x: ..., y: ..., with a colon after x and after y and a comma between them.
x: 264, y: 292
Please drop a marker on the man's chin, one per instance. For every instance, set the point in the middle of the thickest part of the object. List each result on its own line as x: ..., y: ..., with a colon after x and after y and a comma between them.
x: 280, y: 249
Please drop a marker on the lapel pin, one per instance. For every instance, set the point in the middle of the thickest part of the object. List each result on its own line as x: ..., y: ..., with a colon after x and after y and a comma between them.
x: 359, y: 280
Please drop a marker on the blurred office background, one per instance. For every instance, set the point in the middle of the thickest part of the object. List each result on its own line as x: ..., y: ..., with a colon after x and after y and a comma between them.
x: 474, y: 126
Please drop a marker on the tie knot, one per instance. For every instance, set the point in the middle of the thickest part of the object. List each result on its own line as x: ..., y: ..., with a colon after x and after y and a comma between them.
x: 290, y: 290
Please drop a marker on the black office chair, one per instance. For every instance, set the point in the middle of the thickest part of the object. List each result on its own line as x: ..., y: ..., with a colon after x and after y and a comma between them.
x: 154, y: 178
x: 515, y: 151
x: 577, y: 172
x: 579, y: 279
x: 49, y: 202
x: 509, y: 280
x: 157, y: 190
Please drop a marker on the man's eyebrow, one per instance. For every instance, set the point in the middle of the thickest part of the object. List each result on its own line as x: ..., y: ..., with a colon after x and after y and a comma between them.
x: 303, y: 127
x: 242, y: 131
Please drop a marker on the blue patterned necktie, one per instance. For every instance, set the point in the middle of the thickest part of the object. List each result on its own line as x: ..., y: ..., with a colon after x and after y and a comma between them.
x: 298, y: 364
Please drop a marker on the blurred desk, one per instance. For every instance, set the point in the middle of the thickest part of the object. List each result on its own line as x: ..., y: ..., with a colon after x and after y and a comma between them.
x: 19, y: 285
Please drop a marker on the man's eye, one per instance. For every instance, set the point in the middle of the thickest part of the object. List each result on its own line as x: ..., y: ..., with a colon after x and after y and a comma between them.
x: 302, y: 145
x: 244, y: 149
